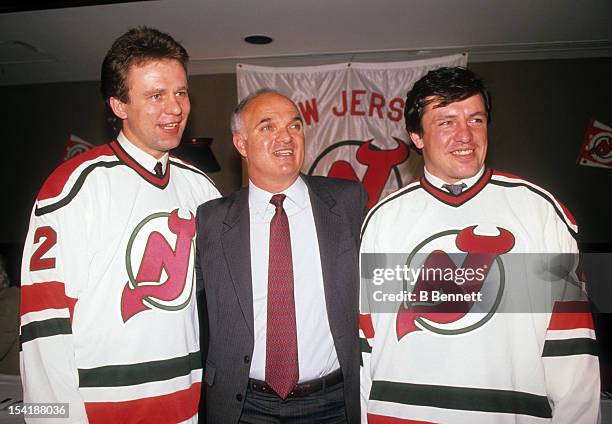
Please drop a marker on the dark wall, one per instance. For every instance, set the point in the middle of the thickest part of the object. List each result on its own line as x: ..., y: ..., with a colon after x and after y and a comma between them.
x: 541, y: 112
x: 38, y: 119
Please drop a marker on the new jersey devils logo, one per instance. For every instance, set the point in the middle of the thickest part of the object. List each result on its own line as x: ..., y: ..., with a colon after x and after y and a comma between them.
x: 444, y: 317
x: 601, y: 147
x: 379, y: 164
x: 159, y: 260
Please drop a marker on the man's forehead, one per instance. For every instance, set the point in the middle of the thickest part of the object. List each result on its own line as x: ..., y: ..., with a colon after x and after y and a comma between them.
x: 151, y: 62
x: 437, y: 102
x: 269, y: 106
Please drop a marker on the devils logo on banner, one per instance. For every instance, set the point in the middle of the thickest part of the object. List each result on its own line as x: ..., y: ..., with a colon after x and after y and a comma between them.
x: 353, y: 117
x: 74, y: 146
x: 597, y: 146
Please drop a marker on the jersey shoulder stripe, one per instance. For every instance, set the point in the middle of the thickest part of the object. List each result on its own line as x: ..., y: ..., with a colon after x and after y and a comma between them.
x: 508, y: 180
x: 412, y: 186
x: 189, y: 167
x: 54, y: 185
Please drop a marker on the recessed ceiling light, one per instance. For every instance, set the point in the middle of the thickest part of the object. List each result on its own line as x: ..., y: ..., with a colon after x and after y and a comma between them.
x: 258, y: 39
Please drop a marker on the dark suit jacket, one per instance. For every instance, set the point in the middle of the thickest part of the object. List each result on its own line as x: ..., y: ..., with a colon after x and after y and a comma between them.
x: 223, y: 269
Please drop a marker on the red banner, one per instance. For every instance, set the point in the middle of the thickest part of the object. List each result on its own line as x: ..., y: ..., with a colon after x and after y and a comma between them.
x: 74, y: 146
x: 597, y: 147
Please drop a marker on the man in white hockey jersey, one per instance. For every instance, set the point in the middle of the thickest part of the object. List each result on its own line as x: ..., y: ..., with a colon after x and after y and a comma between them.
x: 452, y: 329
x: 108, y: 315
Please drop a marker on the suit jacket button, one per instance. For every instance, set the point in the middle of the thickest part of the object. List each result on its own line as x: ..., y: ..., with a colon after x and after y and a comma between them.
x: 247, y: 359
x: 239, y: 397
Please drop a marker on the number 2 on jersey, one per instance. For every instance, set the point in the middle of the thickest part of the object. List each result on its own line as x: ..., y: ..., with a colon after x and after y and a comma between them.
x: 37, y: 262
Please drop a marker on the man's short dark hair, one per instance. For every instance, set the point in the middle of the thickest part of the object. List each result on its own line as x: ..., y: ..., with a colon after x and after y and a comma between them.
x: 445, y: 86
x: 135, y: 47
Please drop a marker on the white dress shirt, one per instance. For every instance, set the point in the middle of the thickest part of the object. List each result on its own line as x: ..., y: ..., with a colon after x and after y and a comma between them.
x: 438, y: 182
x: 316, y: 352
x: 143, y: 158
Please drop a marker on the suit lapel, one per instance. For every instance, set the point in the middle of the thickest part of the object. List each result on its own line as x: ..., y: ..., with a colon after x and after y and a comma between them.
x: 236, y: 242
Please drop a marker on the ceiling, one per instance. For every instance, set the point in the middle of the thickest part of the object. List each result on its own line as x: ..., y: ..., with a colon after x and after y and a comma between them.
x: 68, y: 44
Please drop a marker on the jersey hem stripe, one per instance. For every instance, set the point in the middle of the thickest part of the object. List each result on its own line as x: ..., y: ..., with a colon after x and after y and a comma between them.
x: 170, y: 408
x: 384, y: 419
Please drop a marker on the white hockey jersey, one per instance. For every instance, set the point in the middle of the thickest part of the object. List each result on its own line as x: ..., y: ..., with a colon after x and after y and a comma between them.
x: 423, y: 362
x: 108, y: 317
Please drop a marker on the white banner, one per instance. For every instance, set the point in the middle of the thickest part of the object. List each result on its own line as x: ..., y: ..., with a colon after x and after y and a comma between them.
x: 353, y: 115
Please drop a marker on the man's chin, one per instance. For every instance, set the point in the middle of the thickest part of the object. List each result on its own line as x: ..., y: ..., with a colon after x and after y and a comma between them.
x: 170, y: 144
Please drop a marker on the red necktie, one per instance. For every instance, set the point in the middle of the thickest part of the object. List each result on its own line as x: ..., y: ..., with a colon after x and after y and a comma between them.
x: 281, y: 342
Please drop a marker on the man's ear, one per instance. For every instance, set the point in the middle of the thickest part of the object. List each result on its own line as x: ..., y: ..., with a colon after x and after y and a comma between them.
x: 416, y: 139
x: 118, y: 107
x: 239, y: 144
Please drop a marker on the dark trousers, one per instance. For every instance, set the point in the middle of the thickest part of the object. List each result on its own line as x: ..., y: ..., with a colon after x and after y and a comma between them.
x: 325, y: 406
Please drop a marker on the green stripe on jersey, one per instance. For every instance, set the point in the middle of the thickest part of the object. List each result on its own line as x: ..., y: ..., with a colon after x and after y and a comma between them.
x: 569, y: 347
x: 462, y: 398
x: 46, y: 328
x: 364, y: 346
x: 144, y: 372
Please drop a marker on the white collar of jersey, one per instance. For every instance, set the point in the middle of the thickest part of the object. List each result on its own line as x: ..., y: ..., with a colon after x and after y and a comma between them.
x: 297, y: 198
x: 438, y: 182
x: 144, y: 159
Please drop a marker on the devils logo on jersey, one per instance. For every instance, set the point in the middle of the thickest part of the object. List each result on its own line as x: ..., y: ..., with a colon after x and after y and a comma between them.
x: 374, y: 164
x: 481, y: 255
x: 163, y: 279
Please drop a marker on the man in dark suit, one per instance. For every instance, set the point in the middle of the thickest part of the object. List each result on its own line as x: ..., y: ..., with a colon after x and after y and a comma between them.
x: 279, y: 268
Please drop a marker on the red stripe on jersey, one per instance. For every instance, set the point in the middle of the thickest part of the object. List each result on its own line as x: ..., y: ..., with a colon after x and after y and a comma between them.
x: 171, y: 408
x: 365, y: 324
x: 46, y: 295
x: 54, y: 185
x: 143, y: 172
x: 382, y: 419
x: 571, y: 315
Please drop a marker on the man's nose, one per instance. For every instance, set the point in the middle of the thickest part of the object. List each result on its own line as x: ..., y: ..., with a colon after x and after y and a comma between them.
x: 284, y: 135
x: 464, y: 133
x: 173, y: 106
